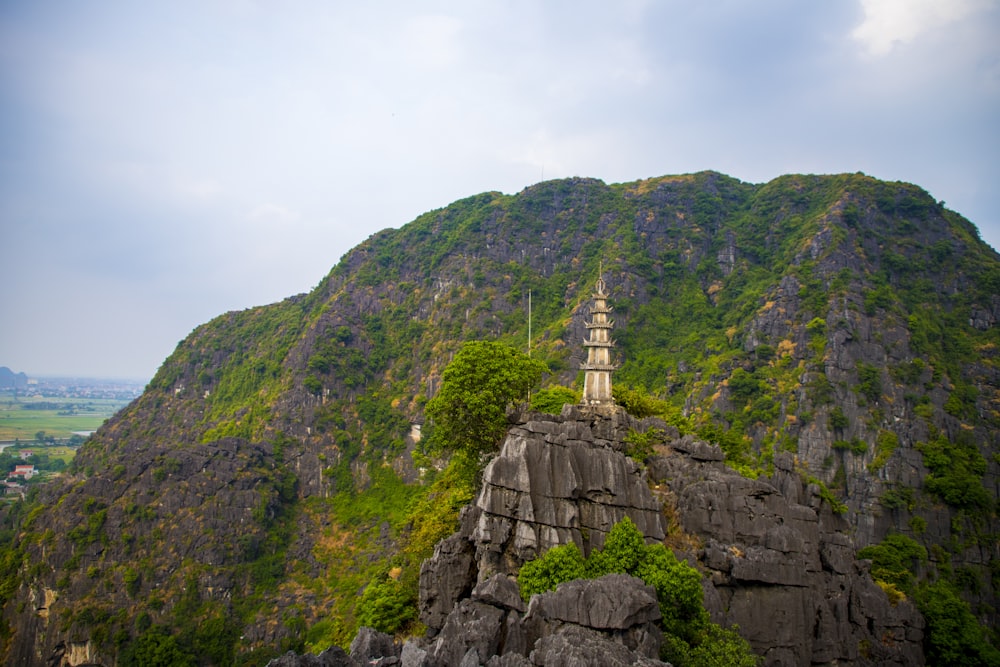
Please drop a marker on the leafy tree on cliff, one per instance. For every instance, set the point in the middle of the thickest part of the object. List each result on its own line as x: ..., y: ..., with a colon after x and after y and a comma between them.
x: 483, y: 380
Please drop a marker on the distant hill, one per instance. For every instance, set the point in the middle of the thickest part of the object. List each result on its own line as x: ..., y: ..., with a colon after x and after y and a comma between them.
x: 265, y: 475
x: 11, y: 380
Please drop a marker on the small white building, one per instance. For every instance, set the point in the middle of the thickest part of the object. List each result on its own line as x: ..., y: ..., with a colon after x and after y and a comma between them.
x: 25, y: 471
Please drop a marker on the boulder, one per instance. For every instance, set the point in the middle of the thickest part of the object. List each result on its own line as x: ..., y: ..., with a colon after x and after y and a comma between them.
x: 500, y: 591
x: 412, y: 655
x: 471, y: 626
x: 612, y: 602
x: 622, y: 608
x: 575, y: 646
x: 373, y: 647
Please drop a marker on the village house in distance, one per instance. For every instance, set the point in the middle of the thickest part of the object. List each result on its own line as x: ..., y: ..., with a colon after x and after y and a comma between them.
x: 598, y: 367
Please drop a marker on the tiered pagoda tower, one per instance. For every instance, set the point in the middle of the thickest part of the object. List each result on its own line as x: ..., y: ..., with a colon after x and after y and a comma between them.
x: 598, y: 367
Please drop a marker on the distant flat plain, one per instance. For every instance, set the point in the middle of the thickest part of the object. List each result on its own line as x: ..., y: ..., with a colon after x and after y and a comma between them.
x: 24, y: 417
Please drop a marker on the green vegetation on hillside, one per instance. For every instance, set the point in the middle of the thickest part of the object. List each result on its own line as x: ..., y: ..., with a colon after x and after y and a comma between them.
x: 956, y: 472
x: 954, y: 635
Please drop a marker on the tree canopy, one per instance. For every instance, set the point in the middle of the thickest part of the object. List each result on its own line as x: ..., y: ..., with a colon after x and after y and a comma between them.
x: 484, y: 379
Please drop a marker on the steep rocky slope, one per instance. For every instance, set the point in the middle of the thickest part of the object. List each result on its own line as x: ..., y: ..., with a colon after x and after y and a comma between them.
x: 238, y: 507
x: 776, y: 563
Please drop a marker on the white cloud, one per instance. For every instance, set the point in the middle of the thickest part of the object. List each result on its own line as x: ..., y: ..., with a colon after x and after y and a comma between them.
x: 891, y: 22
x: 220, y: 154
x: 200, y: 189
x: 273, y: 216
x: 432, y: 42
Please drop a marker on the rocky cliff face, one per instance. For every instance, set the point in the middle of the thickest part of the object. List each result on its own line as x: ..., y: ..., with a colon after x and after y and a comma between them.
x: 781, y: 565
x: 776, y: 561
x: 559, y: 481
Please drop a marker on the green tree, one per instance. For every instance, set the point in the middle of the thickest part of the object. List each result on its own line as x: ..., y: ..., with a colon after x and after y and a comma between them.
x: 678, y: 589
x: 894, y: 560
x: 213, y: 639
x: 624, y: 549
x: 721, y: 647
x: 552, y: 399
x: 637, y: 403
x: 869, y: 382
x: 957, y: 470
x: 954, y: 636
x: 744, y: 386
x: 386, y: 605
x: 838, y: 420
x: 559, y: 564
x: 483, y: 380
x: 156, y: 648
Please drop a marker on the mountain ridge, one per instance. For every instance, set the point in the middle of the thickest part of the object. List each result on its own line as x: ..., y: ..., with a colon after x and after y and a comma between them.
x: 844, y: 320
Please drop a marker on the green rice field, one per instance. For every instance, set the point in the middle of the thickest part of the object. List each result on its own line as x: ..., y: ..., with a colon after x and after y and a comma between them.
x: 23, y: 418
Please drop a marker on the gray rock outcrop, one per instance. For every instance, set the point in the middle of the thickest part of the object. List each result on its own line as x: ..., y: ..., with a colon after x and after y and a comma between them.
x: 555, y: 480
x: 616, y: 604
x: 449, y: 575
x: 332, y: 657
x: 558, y: 480
x: 778, y: 563
x: 606, y: 621
x: 785, y: 572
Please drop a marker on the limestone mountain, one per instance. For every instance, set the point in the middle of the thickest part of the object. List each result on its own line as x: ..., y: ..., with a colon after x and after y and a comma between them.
x: 840, y: 327
x: 11, y: 380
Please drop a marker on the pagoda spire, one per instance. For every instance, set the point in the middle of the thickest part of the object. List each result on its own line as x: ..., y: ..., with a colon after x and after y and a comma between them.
x: 598, y: 367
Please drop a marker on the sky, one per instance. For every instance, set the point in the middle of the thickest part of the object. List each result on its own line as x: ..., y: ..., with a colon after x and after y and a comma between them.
x: 162, y: 163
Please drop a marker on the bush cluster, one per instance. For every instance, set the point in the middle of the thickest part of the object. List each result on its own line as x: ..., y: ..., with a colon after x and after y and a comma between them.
x: 953, y: 635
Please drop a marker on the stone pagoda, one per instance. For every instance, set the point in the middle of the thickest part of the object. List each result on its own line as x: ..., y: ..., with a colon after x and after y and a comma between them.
x: 598, y: 367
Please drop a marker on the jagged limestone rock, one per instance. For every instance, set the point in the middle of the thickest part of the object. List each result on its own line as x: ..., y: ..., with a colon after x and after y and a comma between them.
x: 471, y: 626
x: 575, y: 646
x: 617, y: 604
x: 412, y: 655
x: 508, y: 660
x: 331, y: 657
x: 449, y: 575
x: 588, y: 622
x: 371, y: 645
x: 612, y: 602
x: 778, y: 563
x: 554, y: 481
x: 500, y: 591
x: 785, y: 572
